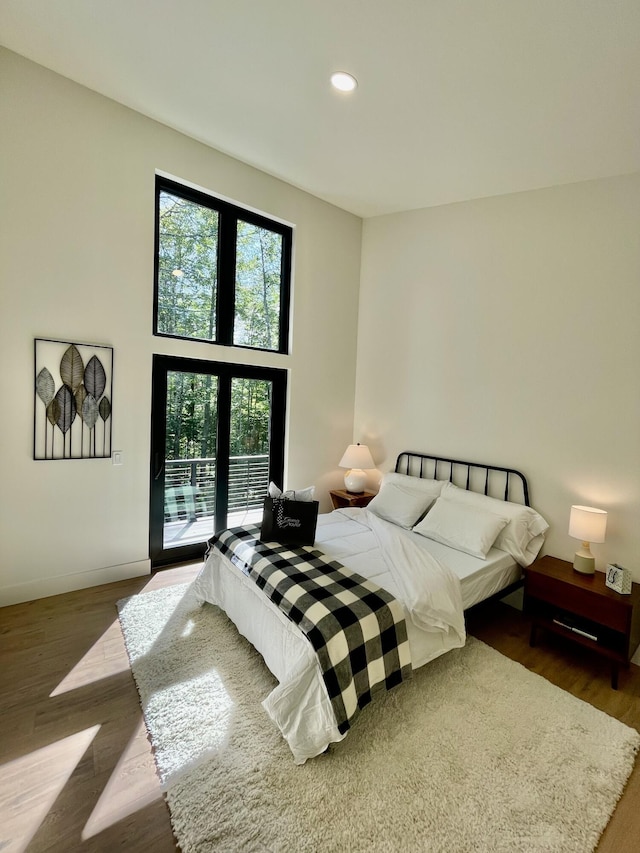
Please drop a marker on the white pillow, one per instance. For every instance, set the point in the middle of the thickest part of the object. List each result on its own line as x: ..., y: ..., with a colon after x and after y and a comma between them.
x: 461, y: 526
x: 523, y: 536
x: 403, y: 499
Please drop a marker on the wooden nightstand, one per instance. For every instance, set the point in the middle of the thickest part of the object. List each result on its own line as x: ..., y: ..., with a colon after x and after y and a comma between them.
x: 341, y: 498
x: 582, y: 608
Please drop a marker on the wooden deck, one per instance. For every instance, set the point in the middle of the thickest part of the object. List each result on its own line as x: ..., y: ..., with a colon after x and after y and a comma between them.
x: 177, y: 533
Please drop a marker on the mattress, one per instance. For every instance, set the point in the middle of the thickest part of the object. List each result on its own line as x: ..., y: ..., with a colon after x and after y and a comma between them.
x: 479, y: 579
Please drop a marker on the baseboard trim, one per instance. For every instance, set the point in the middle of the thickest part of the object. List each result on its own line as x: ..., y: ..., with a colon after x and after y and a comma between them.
x: 45, y: 587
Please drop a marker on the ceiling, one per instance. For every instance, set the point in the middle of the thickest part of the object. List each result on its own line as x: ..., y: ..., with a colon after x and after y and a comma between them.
x: 457, y: 99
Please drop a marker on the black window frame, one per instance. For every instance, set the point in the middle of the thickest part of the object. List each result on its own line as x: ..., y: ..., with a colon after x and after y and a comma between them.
x: 228, y: 214
x: 226, y: 372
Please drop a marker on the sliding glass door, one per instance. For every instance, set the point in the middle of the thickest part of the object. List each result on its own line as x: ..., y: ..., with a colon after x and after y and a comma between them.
x: 217, y: 438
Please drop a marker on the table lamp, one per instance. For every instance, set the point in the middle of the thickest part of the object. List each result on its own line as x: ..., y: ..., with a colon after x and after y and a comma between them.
x: 356, y: 457
x: 588, y: 525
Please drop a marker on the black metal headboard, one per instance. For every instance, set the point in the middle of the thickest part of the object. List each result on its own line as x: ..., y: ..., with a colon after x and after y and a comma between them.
x: 490, y: 479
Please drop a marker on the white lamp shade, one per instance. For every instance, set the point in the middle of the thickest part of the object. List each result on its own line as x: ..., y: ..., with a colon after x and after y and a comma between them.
x: 357, y: 456
x: 587, y: 523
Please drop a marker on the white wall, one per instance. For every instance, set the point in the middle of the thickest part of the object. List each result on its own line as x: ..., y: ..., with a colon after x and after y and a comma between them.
x: 506, y: 330
x: 501, y: 330
x: 76, y: 254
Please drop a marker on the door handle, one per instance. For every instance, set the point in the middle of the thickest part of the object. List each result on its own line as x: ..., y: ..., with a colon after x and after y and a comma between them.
x: 159, y: 467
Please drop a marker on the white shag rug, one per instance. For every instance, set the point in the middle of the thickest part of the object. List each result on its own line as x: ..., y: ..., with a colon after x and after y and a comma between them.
x: 474, y: 753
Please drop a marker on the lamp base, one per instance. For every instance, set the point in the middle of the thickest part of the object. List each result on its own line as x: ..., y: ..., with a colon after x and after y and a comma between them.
x: 355, y: 481
x: 583, y: 564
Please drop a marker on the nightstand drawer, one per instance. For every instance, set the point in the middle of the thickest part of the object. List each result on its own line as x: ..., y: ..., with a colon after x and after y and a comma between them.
x: 581, y: 602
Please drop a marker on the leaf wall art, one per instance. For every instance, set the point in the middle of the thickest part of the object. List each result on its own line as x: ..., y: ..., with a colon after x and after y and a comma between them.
x: 73, y: 400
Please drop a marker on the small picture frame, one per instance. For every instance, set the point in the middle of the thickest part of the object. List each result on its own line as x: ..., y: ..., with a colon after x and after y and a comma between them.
x: 618, y: 578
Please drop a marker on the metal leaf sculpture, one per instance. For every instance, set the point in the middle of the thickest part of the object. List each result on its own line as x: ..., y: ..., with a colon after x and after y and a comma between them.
x: 67, y: 404
x: 90, y: 416
x: 90, y: 411
x: 80, y: 395
x: 45, y: 386
x: 74, y: 388
x: 104, y: 408
x: 72, y: 368
x: 45, y: 389
x: 53, y: 411
x: 95, y: 378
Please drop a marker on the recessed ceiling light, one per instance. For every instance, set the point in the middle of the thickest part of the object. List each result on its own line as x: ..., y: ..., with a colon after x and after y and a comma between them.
x: 343, y: 82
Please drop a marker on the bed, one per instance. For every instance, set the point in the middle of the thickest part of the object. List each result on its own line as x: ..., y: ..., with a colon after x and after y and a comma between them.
x: 441, y: 536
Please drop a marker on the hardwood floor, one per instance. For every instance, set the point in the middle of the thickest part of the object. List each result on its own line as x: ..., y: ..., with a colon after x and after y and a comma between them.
x: 76, y: 769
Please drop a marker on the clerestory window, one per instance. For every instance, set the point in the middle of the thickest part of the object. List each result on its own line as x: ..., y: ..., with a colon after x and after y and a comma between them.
x: 222, y: 273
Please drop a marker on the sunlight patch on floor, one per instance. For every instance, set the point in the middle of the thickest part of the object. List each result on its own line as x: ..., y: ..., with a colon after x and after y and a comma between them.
x: 30, y: 785
x: 188, y: 628
x: 153, y: 630
x: 106, y: 657
x: 132, y: 785
x: 205, y: 711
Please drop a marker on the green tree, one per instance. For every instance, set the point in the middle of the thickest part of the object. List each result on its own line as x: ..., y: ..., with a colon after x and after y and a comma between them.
x: 187, y: 268
x: 188, y: 275
x: 258, y: 283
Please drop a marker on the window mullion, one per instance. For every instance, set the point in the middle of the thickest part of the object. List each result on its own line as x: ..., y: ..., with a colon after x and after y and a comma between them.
x: 227, y: 277
x: 285, y: 293
x: 222, y: 447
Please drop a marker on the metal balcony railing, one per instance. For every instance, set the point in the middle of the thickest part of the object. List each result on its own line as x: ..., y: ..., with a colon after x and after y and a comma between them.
x: 189, y: 488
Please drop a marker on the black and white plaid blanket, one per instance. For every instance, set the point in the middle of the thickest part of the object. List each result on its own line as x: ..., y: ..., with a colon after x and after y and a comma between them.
x: 356, y: 628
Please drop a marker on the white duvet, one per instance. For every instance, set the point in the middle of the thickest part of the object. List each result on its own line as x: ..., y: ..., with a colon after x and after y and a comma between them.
x: 428, y: 590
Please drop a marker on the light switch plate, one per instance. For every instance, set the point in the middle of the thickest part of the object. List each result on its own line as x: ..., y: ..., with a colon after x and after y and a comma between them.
x: 116, y: 457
